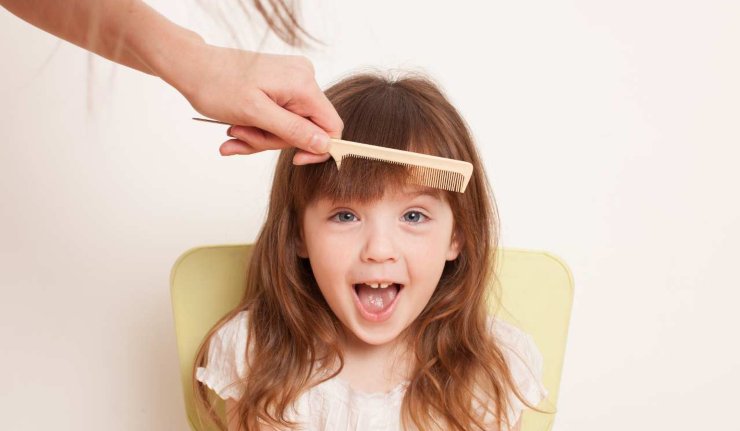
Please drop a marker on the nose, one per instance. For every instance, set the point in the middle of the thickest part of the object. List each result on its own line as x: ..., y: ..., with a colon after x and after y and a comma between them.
x: 379, y: 246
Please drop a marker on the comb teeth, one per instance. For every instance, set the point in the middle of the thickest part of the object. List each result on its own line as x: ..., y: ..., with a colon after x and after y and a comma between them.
x: 424, y: 169
x: 422, y: 175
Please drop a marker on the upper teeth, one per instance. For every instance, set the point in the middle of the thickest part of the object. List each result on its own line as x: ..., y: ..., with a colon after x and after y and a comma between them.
x: 379, y: 285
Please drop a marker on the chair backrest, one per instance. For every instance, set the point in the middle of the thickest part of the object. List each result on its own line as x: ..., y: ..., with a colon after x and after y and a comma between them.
x: 536, y: 295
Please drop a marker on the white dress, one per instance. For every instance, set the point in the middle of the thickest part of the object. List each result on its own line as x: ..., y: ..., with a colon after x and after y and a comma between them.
x: 334, y: 406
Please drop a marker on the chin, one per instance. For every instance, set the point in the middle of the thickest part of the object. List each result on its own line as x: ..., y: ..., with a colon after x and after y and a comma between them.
x: 377, y: 335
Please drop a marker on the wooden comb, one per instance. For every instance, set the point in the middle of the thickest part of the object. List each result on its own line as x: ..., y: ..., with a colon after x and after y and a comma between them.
x: 425, y: 170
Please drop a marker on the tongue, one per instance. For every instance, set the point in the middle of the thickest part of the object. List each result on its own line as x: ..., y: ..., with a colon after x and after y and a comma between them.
x: 376, y: 300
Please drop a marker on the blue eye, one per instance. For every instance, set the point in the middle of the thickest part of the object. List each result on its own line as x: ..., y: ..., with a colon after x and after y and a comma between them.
x: 344, y: 217
x: 414, y: 217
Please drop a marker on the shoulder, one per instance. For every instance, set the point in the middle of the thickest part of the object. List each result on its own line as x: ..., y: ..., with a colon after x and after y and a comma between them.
x: 514, y: 340
x: 525, y: 362
x: 231, y: 338
x: 234, y: 327
x: 226, y: 363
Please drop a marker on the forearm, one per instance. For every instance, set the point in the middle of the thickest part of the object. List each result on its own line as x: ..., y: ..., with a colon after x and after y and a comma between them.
x: 128, y: 32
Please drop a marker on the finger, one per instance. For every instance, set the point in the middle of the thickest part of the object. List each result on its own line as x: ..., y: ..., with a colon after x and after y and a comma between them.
x: 235, y: 146
x: 317, y: 107
x: 303, y: 157
x: 288, y: 126
x: 258, y: 139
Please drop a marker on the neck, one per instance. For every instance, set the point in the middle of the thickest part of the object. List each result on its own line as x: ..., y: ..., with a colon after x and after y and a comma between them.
x: 391, y: 360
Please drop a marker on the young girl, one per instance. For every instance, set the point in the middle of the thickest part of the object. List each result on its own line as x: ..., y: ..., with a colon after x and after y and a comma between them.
x: 365, y: 306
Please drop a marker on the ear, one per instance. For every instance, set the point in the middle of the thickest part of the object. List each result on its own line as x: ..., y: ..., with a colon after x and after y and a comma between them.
x: 455, y: 244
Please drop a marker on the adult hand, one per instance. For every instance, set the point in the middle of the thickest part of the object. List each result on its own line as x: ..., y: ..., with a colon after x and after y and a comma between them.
x: 273, y: 101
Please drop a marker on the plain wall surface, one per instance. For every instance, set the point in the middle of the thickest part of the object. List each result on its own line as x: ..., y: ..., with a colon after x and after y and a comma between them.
x: 609, y: 131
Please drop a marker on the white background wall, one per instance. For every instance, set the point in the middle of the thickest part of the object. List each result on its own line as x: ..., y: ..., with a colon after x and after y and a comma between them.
x: 609, y: 131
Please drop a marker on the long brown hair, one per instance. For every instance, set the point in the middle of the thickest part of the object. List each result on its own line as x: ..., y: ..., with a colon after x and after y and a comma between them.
x: 457, y: 362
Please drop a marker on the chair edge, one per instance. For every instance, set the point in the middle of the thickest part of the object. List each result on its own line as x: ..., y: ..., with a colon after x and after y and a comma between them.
x: 189, y: 252
x: 554, y: 257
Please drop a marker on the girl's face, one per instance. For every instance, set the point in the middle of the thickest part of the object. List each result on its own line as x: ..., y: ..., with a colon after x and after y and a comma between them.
x: 403, y: 238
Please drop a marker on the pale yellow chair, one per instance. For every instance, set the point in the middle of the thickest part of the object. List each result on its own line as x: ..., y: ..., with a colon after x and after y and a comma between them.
x: 537, y: 294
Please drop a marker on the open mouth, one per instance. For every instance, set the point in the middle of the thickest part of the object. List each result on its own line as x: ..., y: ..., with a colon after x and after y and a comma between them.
x: 376, y: 300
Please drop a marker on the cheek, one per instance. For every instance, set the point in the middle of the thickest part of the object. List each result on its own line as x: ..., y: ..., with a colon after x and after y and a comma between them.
x: 323, y: 246
x: 429, y: 248
x: 325, y: 275
x: 329, y: 259
x: 426, y: 261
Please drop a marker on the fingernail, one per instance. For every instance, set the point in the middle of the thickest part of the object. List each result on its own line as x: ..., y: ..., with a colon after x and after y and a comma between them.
x: 319, y: 143
x: 229, y: 130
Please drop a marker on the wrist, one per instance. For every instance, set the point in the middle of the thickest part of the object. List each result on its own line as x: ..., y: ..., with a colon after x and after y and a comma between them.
x: 163, y: 46
x: 173, y: 61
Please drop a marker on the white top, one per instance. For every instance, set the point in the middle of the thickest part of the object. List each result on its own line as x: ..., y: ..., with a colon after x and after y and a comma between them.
x: 334, y: 406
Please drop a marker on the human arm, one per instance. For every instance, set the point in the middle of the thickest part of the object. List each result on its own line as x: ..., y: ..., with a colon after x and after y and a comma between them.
x: 119, y: 30
x: 275, y: 97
